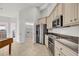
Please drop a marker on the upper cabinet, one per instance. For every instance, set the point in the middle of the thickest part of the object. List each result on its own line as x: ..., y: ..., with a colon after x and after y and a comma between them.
x: 55, y: 13
x: 77, y: 21
x: 70, y: 14
x: 49, y: 22
x: 42, y: 20
x: 60, y: 9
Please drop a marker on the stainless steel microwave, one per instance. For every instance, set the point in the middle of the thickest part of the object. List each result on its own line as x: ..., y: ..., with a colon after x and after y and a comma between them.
x: 58, y: 22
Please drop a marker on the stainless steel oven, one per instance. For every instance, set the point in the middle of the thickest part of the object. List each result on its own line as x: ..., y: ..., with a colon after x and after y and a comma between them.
x: 51, y: 45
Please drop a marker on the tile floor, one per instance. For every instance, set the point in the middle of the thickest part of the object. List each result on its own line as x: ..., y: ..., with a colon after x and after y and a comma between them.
x: 27, y: 48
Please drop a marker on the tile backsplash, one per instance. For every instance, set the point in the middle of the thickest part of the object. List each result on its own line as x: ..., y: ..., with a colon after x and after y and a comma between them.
x: 72, y: 31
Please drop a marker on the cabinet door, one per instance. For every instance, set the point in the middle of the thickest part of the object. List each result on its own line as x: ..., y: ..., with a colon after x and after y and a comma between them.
x: 42, y: 21
x: 57, y: 49
x: 55, y: 12
x: 77, y: 14
x: 57, y: 52
x: 67, y: 51
x: 37, y: 22
x: 62, y: 50
x: 46, y: 40
x: 68, y: 13
x: 75, y: 20
x: 49, y: 22
x: 60, y: 9
x: 61, y: 54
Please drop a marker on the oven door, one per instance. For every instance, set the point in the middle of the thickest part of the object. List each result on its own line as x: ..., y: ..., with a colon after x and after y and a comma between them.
x: 51, y: 46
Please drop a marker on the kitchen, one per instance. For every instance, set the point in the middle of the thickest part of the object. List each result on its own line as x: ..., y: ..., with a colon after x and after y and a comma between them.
x: 50, y: 30
x: 61, y: 36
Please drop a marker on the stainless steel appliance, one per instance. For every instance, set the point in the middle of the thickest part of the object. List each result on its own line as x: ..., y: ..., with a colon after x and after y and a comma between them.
x: 51, y: 45
x: 58, y: 22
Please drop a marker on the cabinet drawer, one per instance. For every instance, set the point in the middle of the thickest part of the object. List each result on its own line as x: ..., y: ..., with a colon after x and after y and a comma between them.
x: 68, y: 12
x: 57, y: 52
x: 46, y: 40
x: 49, y: 22
x: 63, y: 50
x: 60, y: 9
x: 67, y: 51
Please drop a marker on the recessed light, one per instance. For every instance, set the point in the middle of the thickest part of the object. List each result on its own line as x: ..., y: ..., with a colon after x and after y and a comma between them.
x: 28, y: 23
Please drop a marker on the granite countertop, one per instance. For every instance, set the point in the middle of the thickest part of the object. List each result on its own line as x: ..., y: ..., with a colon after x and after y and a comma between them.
x: 62, y: 35
x: 69, y: 41
x: 67, y: 37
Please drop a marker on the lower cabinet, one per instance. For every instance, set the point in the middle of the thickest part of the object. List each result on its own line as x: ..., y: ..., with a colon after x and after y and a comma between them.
x: 46, y: 40
x: 62, y: 47
x: 57, y: 52
x: 61, y: 50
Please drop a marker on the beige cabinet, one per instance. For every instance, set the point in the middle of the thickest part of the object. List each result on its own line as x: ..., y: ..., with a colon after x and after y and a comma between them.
x: 42, y: 20
x: 60, y: 9
x: 55, y: 13
x: 57, y: 48
x: 70, y: 14
x: 62, y: 50
x: 77, y: 21
x: 49, y: 22
x: 37, y: 22
x: 46, y: 40
x: 57, y: 51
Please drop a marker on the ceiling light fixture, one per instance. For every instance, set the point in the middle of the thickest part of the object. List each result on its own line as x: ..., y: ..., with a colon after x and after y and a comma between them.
x: 28, y: 23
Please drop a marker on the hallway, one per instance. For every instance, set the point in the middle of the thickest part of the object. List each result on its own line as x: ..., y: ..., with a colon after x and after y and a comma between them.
x: 27, y: 48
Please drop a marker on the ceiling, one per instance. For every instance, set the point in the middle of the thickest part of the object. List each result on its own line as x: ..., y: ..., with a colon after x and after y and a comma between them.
x: 12, y: 9
x: 19, y: 6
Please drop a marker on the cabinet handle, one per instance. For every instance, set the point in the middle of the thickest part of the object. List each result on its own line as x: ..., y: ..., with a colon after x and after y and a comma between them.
x: 70, y: 20
x: 59, y: 54
x: 60, y: 48
x: 75, y: 19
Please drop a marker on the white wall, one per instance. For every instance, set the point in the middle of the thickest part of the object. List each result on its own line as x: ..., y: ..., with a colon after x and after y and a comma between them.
x: 26, y: 15
x: 7, y: 21
x: 13, y: 28
x: 10, y: 15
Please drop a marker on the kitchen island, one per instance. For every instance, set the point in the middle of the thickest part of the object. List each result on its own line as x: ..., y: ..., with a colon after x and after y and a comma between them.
x: 5, y: 42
